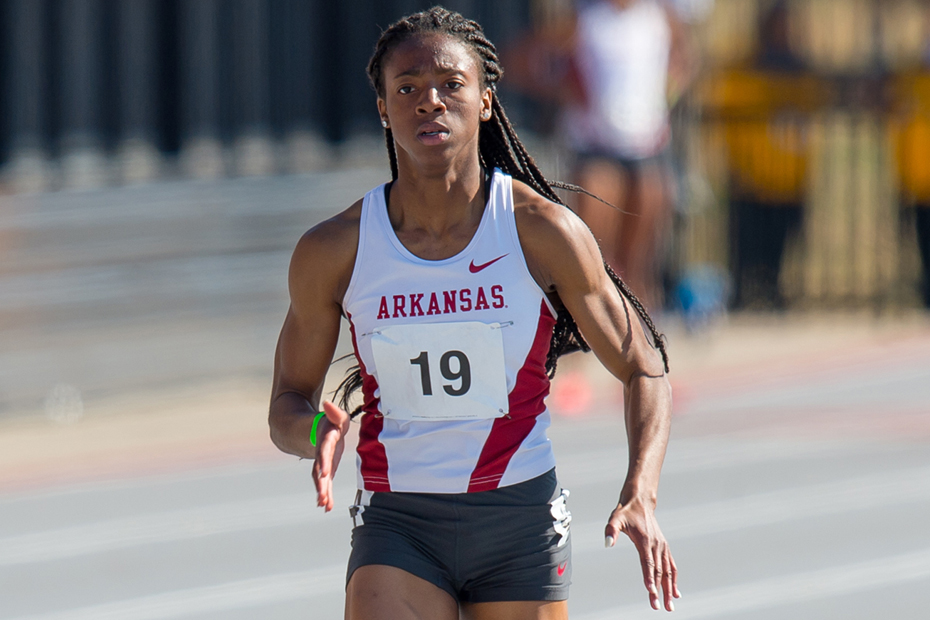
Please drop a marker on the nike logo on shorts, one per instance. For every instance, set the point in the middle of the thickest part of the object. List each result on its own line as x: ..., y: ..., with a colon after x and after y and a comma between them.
x: 476, y: 268
x: 561, y: 568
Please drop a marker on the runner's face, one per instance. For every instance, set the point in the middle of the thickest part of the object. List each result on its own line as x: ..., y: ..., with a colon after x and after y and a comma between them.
x: 434, y: 99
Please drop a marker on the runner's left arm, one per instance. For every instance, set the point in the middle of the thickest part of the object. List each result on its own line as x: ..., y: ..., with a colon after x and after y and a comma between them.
x: 564, y: 258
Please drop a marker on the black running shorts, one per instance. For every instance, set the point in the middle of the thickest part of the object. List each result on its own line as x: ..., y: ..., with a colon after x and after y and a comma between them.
x: 508, y: 544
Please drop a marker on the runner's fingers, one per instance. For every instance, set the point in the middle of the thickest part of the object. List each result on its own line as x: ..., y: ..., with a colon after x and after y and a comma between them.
x: 326, y: 448
x: 675, y: 591
x: 647, y: 560
x: 611, y: 533
x: 324, y: 493
x: 315, y: 473
x: 655, y: 596
x: 615, y: 525
x: 667, y: 579
x: 329, y: 452
x: 319, y: 482
x: 325, y: 500
x: 322, y: 477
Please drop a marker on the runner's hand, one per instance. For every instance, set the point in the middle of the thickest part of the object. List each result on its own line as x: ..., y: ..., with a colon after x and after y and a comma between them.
x: 330, y: 444
x: 638, y: 521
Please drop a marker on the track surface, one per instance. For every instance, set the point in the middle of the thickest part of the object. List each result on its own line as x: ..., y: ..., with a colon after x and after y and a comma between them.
x: 797, y: 483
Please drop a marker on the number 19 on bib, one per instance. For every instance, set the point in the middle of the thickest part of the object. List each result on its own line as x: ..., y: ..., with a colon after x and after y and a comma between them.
x: 441, y: 371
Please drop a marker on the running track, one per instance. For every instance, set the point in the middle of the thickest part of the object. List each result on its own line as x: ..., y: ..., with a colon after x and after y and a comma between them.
x: 794, y: 487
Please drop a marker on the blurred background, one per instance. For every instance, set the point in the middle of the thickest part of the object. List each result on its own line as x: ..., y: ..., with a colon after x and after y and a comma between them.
x: 160, y: 159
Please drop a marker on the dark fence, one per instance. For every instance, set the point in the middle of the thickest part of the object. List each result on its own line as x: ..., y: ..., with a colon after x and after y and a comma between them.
x: 84, y: 80
x: 821, y: 186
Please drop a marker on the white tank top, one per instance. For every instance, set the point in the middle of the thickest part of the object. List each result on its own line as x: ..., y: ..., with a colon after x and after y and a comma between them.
x: 452, y: 354
x: 622, y: 57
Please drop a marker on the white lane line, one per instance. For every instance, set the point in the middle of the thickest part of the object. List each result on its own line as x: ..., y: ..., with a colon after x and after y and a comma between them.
x: 715, y: 517
x: 289, y: 510
x: 863, y: 493
x: 787, y: 589
x: 592, y: 466
x: 224, y: 597
x: 784, y: 590
x: 158, y: 528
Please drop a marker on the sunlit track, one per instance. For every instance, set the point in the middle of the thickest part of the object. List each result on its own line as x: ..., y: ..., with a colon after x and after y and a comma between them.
x: 753, y: 511
x: 777, y: 591
x: 147, y: 482
x: 159, y: 528
x: 864, y: 493
x: 593, y: 466
x: 228, y: 596
x: 787, y: 589
x: 796, y: 483
x: 840, y: 497
x: 103, y: 542
x: 603, y: 465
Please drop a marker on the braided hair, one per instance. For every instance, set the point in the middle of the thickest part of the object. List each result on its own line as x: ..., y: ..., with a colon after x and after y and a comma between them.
x: 498, y: 147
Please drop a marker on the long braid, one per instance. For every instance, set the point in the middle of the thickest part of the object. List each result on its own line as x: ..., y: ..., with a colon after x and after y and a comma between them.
x: 565, y: 338
x: 498, y: 147
x: 392, y: 154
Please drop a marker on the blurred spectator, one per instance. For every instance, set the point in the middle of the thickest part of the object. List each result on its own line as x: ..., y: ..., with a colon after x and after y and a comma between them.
x: 911, y: 130
x: 922, y: 210
x: 614, y: 66
x: 619, y: 130
x: 775, y: 52
x: 923, y: 239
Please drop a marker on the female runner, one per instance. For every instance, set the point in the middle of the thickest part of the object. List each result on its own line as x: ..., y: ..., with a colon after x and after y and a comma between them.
x: 462, y: 279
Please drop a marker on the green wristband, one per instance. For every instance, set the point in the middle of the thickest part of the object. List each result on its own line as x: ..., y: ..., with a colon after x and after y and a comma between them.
x: 316, y: 422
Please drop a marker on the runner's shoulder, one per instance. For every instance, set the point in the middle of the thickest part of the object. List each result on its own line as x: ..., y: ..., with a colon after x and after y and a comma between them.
x: 542, y: 221
x: 326, y: 253
x: 331, y: 241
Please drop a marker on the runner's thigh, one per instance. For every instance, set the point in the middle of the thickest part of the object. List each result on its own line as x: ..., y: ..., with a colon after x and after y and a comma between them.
x: 377, y: 592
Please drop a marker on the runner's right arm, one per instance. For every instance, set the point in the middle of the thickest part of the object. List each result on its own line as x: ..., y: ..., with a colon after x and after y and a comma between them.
x: 320, y: 270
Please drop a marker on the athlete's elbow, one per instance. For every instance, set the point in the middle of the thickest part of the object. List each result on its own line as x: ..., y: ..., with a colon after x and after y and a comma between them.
x: 278, y: 431
x: 274, y: 433
x: 643, y: 363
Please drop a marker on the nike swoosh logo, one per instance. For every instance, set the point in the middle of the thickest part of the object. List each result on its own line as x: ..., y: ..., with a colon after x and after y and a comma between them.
x: 476, y: 268
x: 562, y: 567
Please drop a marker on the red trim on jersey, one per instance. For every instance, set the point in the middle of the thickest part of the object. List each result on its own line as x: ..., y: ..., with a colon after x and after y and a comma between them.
x: 374, y: 465
x: 526, y: 403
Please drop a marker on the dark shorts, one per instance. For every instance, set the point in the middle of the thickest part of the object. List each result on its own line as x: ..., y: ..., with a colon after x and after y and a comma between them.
x: 508, y: 544
x: 662, y: 160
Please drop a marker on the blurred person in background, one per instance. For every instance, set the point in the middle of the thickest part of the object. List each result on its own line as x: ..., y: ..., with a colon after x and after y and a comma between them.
x: 616, y: 67
x: 922, y: 213
x: 775, y: 52
x: 922, y: 220
x: 919, y: 181
x: 459, y: 513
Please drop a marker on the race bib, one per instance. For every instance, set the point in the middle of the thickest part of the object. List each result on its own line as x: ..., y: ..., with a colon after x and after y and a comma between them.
x: 441, y: 371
